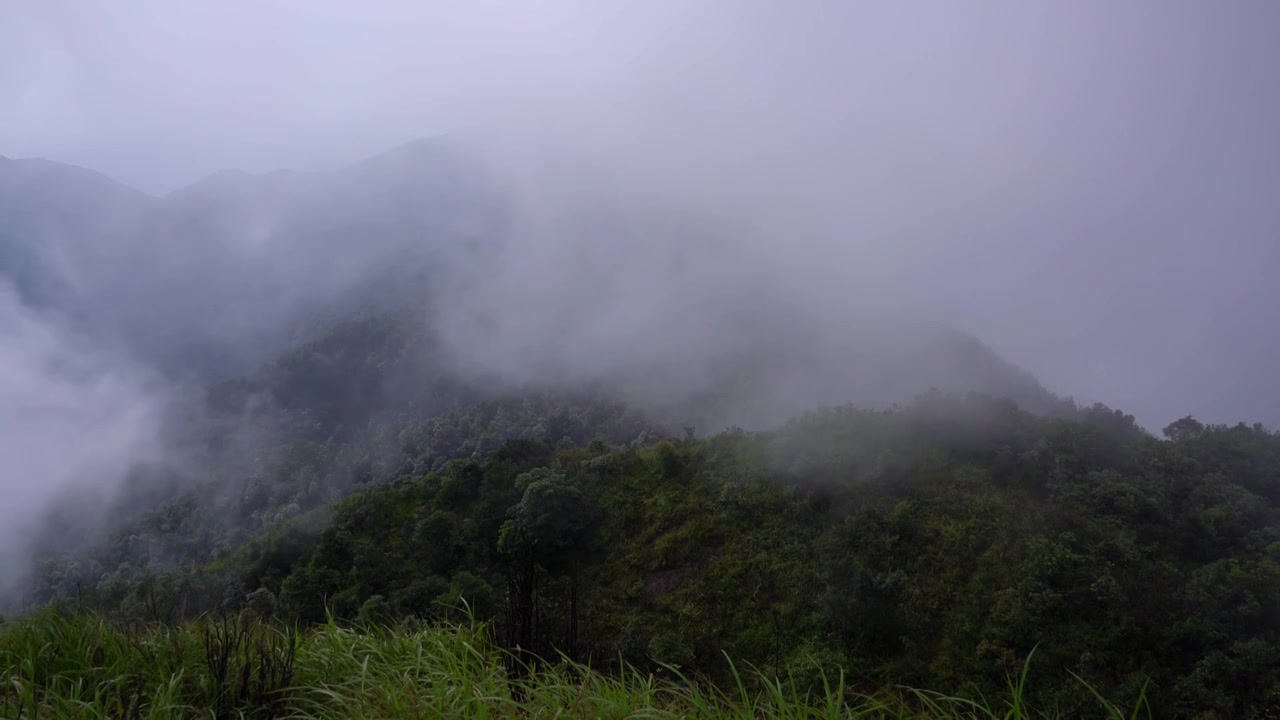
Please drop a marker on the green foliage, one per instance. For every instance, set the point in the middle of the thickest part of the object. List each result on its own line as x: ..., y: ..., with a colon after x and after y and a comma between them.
x: 933, y: 546
x: 936, y: 545
x: 366, y: 403
x: 236, y: 667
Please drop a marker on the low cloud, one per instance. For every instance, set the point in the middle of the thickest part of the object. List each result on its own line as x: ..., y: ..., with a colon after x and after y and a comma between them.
x: 73, y: 419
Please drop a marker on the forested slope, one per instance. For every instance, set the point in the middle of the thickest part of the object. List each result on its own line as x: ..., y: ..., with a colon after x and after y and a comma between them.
x: 934, y: 546
x: 366, y: 401
x: 594, y: 497
x: 382, y: 396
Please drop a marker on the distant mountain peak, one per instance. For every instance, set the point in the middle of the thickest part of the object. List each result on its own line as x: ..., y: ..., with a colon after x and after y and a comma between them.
x: 41, y: 172
x: 235, y: 180
x: 410, y: 154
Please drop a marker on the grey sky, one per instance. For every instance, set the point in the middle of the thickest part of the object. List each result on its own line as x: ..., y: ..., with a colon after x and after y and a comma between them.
x: 1089, y: 186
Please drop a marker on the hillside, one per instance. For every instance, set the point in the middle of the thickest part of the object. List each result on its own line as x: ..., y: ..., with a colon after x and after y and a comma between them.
x: 215, y: 279
x: 935, y: 546
x: 378, y: 394
x: 287, y: 337
x: 377, y: 398
x: 53, y: 216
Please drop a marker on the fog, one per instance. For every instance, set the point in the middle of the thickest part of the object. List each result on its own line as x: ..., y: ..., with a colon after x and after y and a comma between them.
x: 70, y: 416
x: 1089, y: 188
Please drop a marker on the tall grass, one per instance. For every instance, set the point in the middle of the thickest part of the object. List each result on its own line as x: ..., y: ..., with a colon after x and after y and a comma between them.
x: 60, y: 666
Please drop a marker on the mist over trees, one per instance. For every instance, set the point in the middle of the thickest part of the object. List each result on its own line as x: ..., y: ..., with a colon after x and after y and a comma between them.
x: 640, y: 300
x: 925, y: 346
x: 492, y: 416
x: 424, y: 451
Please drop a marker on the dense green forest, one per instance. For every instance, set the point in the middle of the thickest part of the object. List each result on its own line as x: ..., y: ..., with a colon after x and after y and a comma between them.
x: 377, y: 397
x: 366, y: 401
x: 363, y: 479
x: 937, y: 545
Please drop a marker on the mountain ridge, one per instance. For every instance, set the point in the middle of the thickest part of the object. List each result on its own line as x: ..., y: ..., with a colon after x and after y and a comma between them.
x: 417, y: 146
x: 337, y: 232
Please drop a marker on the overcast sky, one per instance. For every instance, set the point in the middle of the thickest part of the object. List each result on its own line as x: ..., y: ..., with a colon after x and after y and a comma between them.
x: 1092, y: 187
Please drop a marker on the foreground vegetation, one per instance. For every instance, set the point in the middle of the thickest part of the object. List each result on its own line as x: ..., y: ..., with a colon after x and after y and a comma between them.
x: 81, y: 666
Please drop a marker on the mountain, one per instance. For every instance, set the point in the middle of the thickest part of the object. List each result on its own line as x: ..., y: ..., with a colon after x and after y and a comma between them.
x: 56, y: 220
x: 395, y: 388
x: 378, y: 397
x: 318, y: 332
x: 212, y: 280
x: 954, y: 544
x: 216, y: 278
